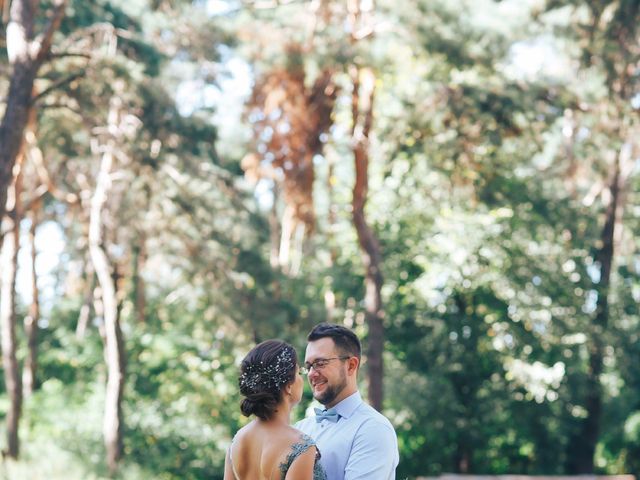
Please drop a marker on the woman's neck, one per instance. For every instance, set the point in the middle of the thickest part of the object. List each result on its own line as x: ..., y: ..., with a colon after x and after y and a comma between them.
x: 282, y: 415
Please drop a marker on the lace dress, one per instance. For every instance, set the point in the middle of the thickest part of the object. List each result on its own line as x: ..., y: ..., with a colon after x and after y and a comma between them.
x: 297, y: 449
x: 305, y: 443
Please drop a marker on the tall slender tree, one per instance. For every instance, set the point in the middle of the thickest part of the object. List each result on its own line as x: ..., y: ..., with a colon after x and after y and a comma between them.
x: 363, y: 83
x: 9, y: 266
x: 114, y: 347
x: 32, y: 318
x: 27, y: 51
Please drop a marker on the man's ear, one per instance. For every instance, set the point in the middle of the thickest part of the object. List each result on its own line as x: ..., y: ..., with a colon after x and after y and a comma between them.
x: 352, y: 364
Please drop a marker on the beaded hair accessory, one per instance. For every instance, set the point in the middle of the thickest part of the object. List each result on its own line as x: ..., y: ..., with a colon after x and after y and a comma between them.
x: 271, y: 377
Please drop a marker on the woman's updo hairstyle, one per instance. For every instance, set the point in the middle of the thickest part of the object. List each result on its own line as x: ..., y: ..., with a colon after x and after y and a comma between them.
x: 264, y: 372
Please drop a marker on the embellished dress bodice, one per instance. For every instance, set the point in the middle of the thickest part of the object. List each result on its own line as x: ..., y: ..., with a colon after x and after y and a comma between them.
x: 297, y: 449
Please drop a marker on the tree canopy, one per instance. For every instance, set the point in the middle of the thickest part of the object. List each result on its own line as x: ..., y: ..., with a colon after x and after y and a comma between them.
x: 456, y: 181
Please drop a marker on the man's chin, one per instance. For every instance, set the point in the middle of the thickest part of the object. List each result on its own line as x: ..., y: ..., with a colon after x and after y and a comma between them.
x: 325, y: 397
x: 319, y: 397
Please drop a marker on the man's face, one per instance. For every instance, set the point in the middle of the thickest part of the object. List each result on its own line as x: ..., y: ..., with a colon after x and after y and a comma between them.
x: 327, y: 381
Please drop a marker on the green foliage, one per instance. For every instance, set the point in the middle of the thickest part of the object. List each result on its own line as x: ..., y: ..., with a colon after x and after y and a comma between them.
x: 488, y: 190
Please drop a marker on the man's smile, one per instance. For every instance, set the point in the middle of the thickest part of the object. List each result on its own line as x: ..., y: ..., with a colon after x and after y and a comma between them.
x: 318, y: 383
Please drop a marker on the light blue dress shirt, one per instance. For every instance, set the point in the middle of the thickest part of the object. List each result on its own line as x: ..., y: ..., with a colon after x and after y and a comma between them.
x: 361, y: 445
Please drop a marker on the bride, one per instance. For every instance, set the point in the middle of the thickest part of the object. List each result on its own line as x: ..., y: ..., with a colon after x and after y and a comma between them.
x: 268, y: 447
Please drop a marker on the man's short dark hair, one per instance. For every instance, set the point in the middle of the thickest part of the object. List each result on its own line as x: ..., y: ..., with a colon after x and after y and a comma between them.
x: 346, y: 341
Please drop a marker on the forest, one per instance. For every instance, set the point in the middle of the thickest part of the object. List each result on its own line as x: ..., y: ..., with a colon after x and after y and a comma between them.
x: 456, y: 180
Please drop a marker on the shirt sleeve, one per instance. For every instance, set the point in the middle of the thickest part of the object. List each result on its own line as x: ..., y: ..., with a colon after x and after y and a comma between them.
x: 374, y: 454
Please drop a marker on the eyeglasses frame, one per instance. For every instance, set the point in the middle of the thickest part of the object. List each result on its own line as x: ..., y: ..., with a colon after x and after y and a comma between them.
x: 306, y: 368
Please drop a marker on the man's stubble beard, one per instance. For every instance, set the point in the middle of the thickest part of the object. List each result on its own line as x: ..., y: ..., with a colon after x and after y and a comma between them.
x: 333, y: 391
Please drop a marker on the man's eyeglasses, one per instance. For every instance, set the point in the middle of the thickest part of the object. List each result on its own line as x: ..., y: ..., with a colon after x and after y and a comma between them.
x: 319, y: 364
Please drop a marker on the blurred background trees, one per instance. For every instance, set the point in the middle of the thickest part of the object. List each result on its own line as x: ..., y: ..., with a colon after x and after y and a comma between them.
x: 455, y: 180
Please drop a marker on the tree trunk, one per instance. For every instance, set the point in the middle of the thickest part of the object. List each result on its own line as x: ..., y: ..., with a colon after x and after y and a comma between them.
x: 31, y: 320
x: 84, y: 316
x: 274, y: 230
x: 9, y: 264
x: 583, y: 444
x: 140, y: 298
x: 33, y: 153
x: 462, y: 455
x: 371, y: 254
x: 19, y: 35
x: 287, y: 228
x: 25, y: 60
x: 329, y: 294
x: 114, y: 354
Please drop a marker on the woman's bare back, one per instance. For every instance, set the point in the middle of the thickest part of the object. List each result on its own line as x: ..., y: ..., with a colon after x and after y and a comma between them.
x: 268, y: 451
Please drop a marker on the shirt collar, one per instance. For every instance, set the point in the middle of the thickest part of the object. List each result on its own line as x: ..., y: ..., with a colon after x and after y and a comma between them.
x: 347, y: 406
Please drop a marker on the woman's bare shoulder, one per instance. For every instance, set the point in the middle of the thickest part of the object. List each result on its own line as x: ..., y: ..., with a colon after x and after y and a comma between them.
x: 293, y: 436
x: 246, y: 429
x: 284, y: 435
x: 302, y: 437
x: 273, y: 441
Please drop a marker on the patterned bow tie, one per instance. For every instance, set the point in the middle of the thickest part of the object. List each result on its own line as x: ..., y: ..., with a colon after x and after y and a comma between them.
x: 330, y: 415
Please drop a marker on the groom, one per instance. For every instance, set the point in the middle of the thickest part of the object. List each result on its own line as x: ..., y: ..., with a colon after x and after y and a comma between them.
x: 356, y: 442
